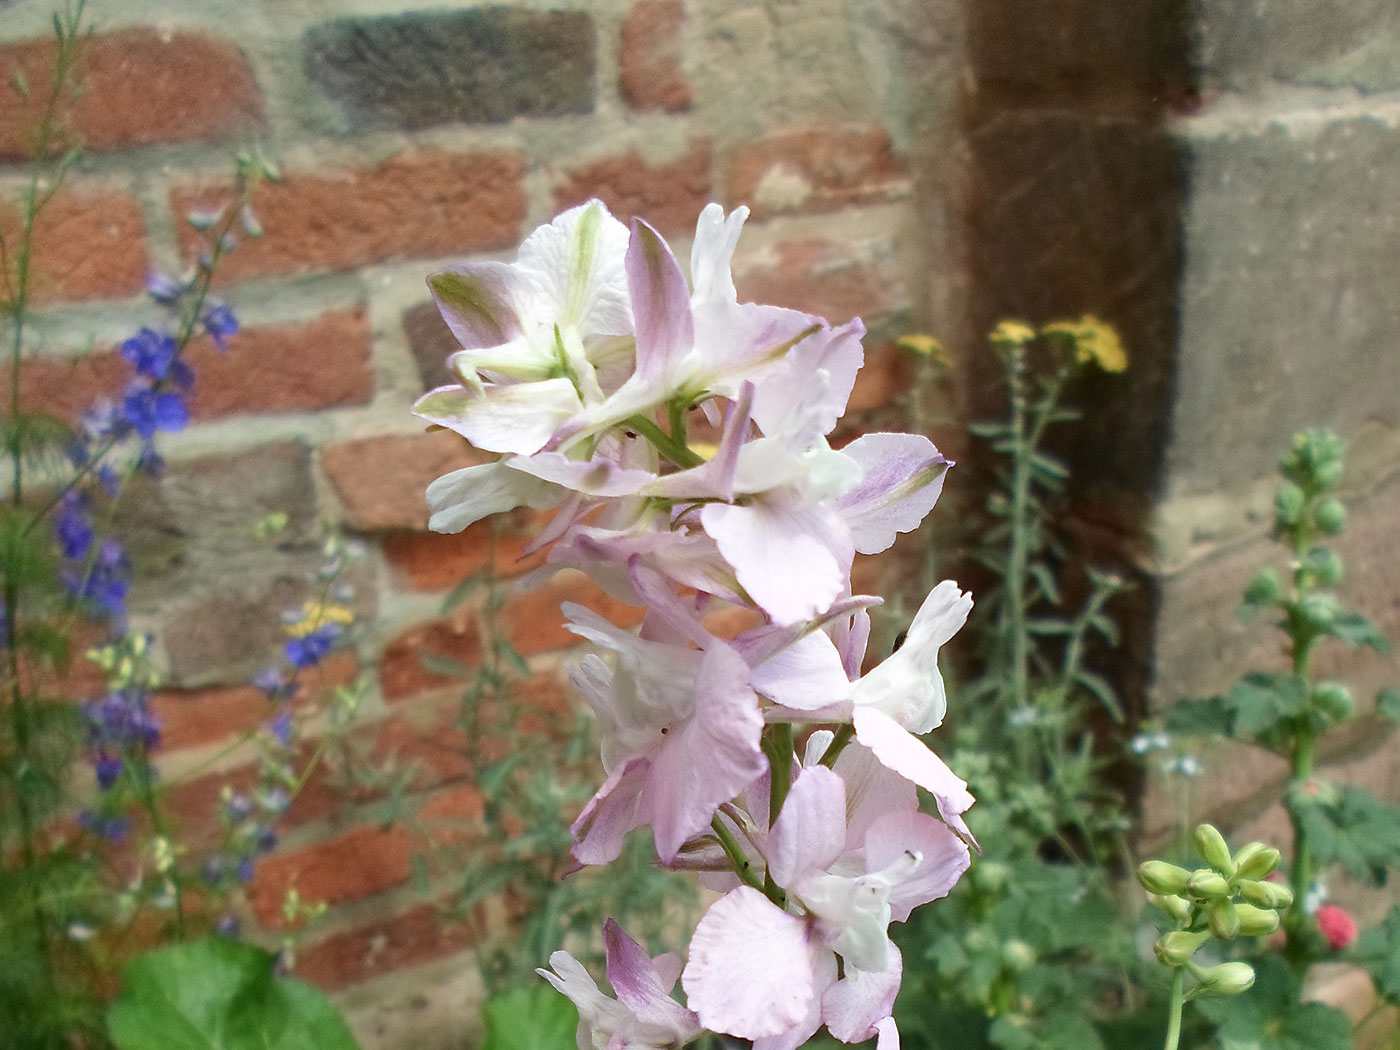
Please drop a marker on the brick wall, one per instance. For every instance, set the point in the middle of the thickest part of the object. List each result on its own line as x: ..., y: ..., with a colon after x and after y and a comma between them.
x: 1218, y: 183
x: 409, y: 138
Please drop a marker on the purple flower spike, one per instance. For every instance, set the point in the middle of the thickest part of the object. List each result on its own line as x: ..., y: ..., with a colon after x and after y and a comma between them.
x: 108, y: 768
x: 151, y: 353
x: 148, y: 411
x: 310, y: 649
x: 73, y: 527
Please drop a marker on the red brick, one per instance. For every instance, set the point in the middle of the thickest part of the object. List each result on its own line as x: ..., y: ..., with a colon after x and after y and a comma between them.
x: 275, y: 368
x: 415, y: 205
x: 423, y: 933
x: 455, y: 637
x: 190, y: 717
x: 381, y: 480
x: 650, y: 75
x: 888, y: 374
x: 669, y: 196
x: 818, y: 278
x: 814, y: 170
x: 89, y: 243
x: 532, y: 622
x: 435, y: 562
x: 349, y: 867
x: 137, y: 86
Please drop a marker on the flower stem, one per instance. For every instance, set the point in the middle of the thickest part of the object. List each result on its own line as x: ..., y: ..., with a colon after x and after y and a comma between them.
x: 1174, y: 1009
x: 735, y: 853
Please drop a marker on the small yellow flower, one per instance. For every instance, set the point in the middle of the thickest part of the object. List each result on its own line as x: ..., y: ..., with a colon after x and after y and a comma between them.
x: 315, y: 615
x: 924, y: 346
x: 1015, y: 332
x: 1095, y: 342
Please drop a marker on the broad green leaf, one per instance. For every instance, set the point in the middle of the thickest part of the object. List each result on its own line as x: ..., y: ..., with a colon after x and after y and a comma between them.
x: 1354, y: 829
x: 531, y: 1018
x: 1355, y: 629
x: 217, y: 994
x: 1270, y: 1016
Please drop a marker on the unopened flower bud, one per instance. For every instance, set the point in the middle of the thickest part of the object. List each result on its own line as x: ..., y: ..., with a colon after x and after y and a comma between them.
x: 1229, y: 978
x: 1324, y: 565
x: 1205, y: 885
x: 1334, y: 700
x: 1319, y: 611
x: 1210, y: 844
x: 1266, y: 894
x: 1224, y: 919
x: 1175, y: 906
x: 1328, y: 474
x: 1330, y: 516
x: 1176, y: 947
x: 1265, y: 588
x: 1017, y: 956
x: 1255, y: 860
x: 1256, y: 922
x: 1288, y: 505
x: 989, y: 876
x: 1157, y: 876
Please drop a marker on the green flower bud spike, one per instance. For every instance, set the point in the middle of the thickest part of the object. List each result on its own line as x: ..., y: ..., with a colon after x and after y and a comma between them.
x: 1210, y: 844
x: 1176, y: 907
x: 1330, y: 516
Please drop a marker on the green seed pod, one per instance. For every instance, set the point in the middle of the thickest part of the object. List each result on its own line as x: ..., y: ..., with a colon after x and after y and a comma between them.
x: 1206, y: 885
x: 1266, y: 894
x: 1328, y: 474
x: 1330, y: 516
x: 1176, y: 907
x: 1255, y: 860
x: 1288, y: 505
x: 1334, y: 700
x: 1224, y: 920
x: 1176, y: 947
x: 1210, y: 844
x: 1157, y: 876
x: 1265, y: 589
x: 1256, y: 922
x: 1229, y: 978
x: 1324, y: 565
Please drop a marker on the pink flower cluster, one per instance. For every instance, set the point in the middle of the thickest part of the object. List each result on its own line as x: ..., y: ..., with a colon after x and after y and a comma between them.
x: 768, y: 762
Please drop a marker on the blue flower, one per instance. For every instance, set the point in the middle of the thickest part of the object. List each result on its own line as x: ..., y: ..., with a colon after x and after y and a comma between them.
x: 163, y: 288
x: 106, y: 581
x: 107, y: 767
x: 109, y: 826
x: 310, y: 649
x: 120, y: 721
x: 281, y: 728
x: 148, y: 410
x: 73, y: 526
x: 220, y: 323
x: 228, y: 926
x: 151, y: 353
x: 273, y: 683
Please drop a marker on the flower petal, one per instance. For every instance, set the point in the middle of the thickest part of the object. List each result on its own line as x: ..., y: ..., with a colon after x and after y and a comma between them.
x: 660, y: 304
x: 641, y: 989
x: 943, y: 857
x: 749, y: 973
x: 907, y: 755
x: 903, y: 476
x: 475, y: 299
x: 854, y: 1006
x: 810, y: 831
x: 464, y: 496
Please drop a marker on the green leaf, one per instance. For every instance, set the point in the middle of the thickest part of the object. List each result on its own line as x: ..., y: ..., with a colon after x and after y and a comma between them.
x: 1270, y: 1017
x: 217, y: 994
x: 1352, y: 828
x: 1200, y: 716
x: 533, y: 1018
x: 1355, y: 629
x: 1261, y: 702
x: 1378, y: 949
x: 1388, y: 703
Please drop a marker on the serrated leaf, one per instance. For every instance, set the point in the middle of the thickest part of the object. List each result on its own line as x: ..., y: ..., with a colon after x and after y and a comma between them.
x: 217, y: 994
x: 1357, y: 831
x: 1261, y: 702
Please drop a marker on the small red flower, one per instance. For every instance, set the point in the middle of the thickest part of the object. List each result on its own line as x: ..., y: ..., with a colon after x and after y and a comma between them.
x: 1336, y: 925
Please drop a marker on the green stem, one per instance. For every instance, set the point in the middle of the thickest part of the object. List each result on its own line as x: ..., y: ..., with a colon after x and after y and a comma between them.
x: 677, y: 453
x: 1174, y: 1009
x: 843, y: 736
x: 777, y: 745
x: 737, y: 860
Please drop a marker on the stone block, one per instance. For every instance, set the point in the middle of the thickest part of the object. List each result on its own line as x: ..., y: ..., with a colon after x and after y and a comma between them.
x: 1354, y: 43
x: 1288, y: 311
x: 480, y: 65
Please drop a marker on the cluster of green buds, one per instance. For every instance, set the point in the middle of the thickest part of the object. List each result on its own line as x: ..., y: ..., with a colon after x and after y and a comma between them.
x: 1228, y: 898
